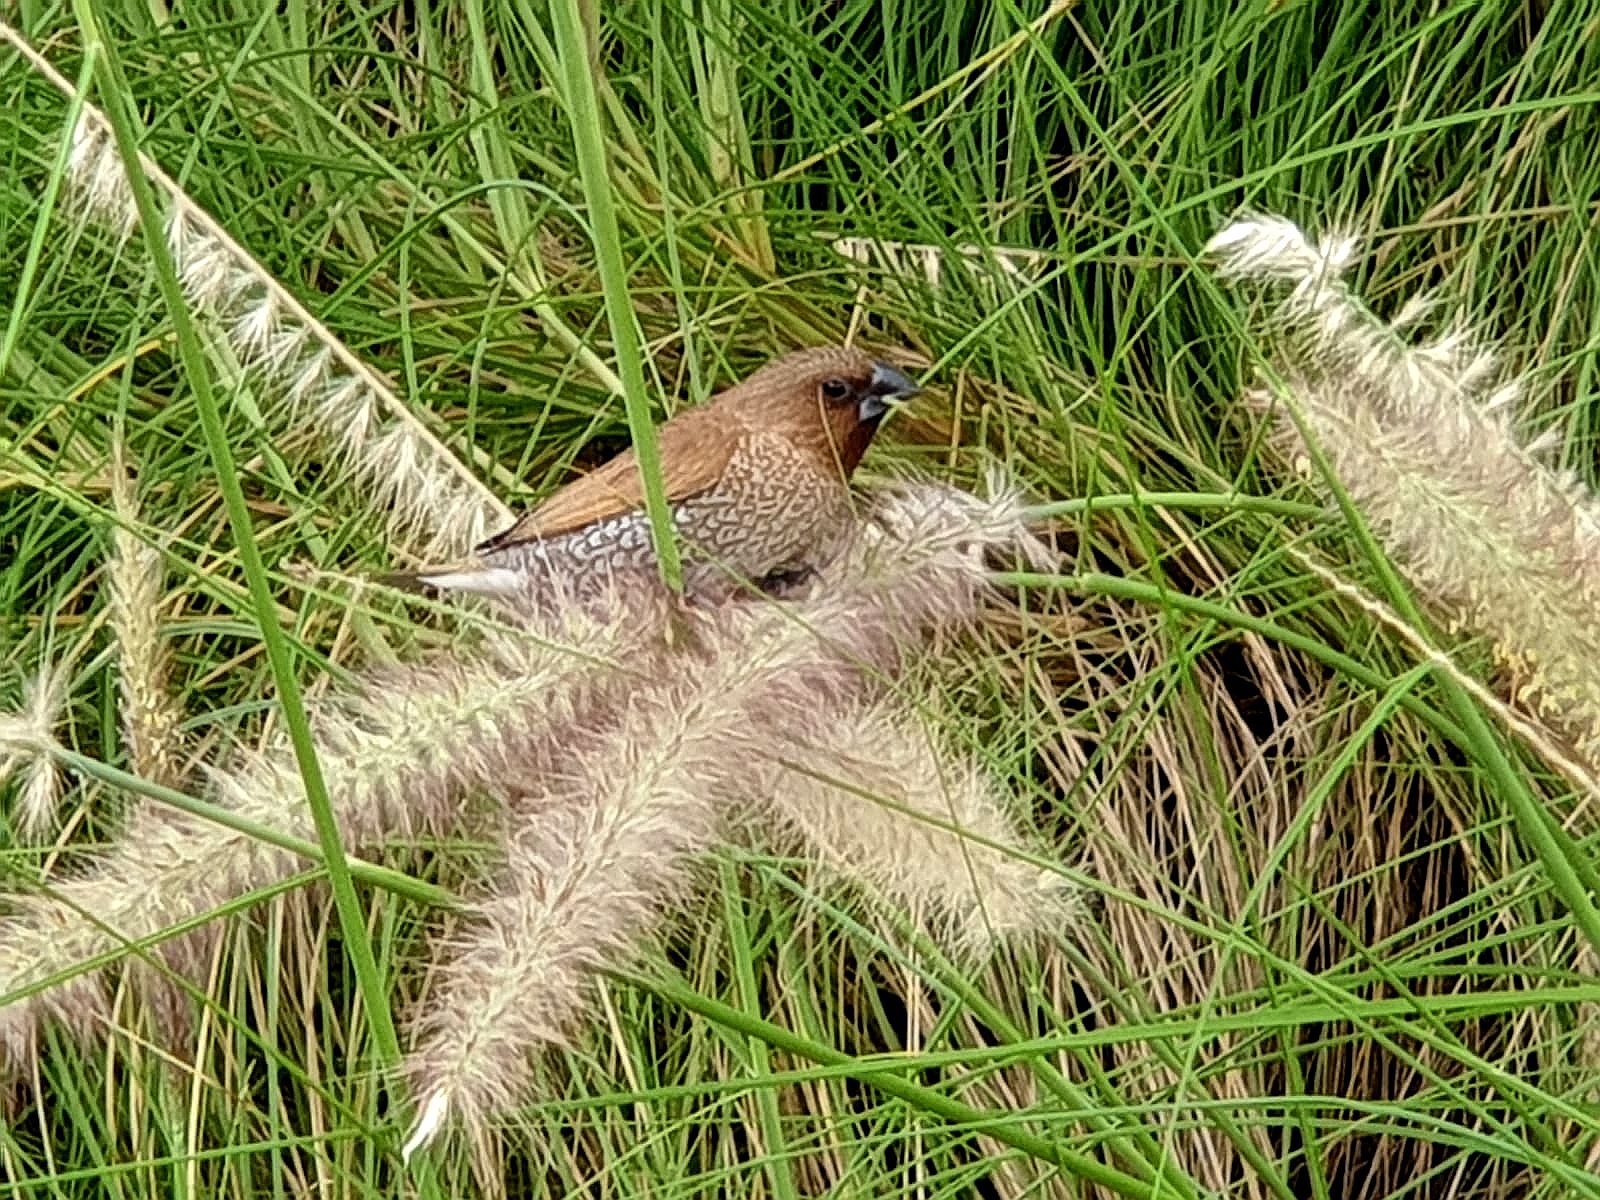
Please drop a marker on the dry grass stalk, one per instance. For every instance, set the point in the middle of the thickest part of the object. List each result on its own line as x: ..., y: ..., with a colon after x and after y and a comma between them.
x: 1499, y: 541
x: 1019, y: 267
x: 1150, y: 768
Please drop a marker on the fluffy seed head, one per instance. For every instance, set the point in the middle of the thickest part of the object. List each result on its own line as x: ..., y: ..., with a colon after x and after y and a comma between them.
x: 401, y: 756
x: 1421, y: 437
x: 438, y: 507
x: 27, y: 743
x: 707, y: 730
x: 982, y: 264
x: 883, y: 802
x: 94, y: 169
x: 135, y: 580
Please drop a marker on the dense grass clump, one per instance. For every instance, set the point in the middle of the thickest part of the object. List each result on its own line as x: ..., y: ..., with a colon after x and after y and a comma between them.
x: 1324, y: 778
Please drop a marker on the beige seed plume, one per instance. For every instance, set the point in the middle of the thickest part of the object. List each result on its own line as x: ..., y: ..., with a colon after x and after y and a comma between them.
x: 400, y: 756
x: 884, y: 803
x: 595, y: 857
x: 27, y: 745
x: 1017, y: 266
x: 433, y: 505
x: 1422, y: 438
x: 704, y: 734
x: 135, y: 591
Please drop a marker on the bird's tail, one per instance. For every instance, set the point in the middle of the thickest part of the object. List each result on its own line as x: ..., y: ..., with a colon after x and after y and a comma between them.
x: 404, y: 581
x: 482, y: 581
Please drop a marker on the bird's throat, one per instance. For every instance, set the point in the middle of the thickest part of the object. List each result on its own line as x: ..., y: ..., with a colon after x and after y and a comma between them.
x: 856, y: 440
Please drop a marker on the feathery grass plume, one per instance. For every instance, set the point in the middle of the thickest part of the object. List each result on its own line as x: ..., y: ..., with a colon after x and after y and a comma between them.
x: 134, y: 590
x: 94, y: 173
x: 917, y: 568
x: 1017, y: 265
x: 400, y: 755
x: 881, y: 800
x: 1502, y: 543
x: 599, y: 850
x: 27, y: 740
x: 914, y: 579
x: 434, y: 506
x: 701, y: 732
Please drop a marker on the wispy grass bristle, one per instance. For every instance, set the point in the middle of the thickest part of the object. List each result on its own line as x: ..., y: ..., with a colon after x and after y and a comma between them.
x: 882, y: 801
x: 402, y: 757
x: 94, y: 169
x: 597, y: 852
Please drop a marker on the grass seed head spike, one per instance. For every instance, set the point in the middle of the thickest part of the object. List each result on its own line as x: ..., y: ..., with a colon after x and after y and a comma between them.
x: 136, y: 577
x: 268, y: 328
x: 696, y: 738
x: 1422, y: 438
x: 27, y: 739
x: 402, y: 754
x: 886, y: 804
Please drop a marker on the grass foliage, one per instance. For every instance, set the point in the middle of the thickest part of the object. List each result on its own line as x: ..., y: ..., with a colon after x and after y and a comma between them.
x: 1324, y: 955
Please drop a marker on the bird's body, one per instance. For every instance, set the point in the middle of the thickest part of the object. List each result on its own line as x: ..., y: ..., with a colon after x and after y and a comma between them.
x: 756, y: 480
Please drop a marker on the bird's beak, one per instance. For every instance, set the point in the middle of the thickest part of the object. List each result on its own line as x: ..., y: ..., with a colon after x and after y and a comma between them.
x: 889, y: 386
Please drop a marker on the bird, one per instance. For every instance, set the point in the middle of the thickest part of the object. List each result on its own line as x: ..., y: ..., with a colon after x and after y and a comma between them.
x: 756, y: 481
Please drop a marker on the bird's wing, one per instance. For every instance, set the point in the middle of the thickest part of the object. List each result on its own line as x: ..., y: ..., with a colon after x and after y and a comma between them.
x: 694, y: 446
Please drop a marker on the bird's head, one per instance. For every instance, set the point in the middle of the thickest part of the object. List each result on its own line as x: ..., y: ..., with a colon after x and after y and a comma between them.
x: 833, y: 397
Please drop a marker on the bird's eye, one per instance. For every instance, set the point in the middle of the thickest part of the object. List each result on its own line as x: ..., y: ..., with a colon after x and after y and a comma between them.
x: 835, y: 389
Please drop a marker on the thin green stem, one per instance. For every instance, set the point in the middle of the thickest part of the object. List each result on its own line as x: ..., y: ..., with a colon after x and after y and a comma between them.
x: 352, y: 921
x: 884, y: 1077
x: 1188, y: 501
x: 583, y: 111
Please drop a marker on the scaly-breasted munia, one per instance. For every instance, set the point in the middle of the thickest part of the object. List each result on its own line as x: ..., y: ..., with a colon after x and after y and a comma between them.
x: 756, y: 480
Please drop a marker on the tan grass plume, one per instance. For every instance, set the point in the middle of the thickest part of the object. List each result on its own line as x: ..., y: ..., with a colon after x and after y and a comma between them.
x: 1421, y: 435
x: 27, y: 745
x: 885, y: 803
x: 135, y: 591
x: 400, y: 756
x: 433, y: 505
x: 705, y: 735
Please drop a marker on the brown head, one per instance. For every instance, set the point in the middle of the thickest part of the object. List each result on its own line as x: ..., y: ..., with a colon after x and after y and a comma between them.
x: 830, y: 398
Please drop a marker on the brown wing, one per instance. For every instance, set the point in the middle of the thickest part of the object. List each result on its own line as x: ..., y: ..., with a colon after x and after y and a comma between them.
x: 695, y: 446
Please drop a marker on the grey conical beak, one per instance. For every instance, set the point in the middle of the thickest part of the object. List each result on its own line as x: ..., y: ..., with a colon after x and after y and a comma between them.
x: 889, y: 386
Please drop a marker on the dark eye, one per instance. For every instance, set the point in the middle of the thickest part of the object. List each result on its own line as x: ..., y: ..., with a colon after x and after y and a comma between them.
x: 835, y: 389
